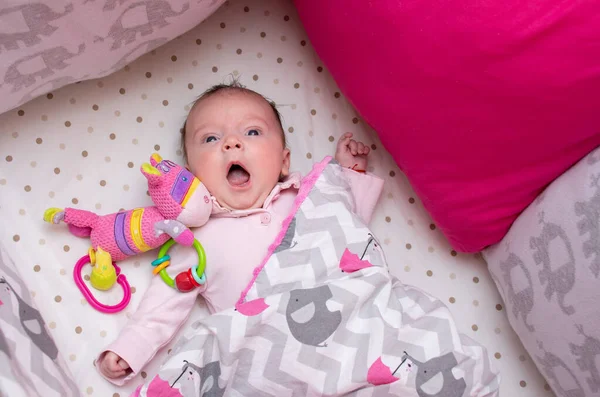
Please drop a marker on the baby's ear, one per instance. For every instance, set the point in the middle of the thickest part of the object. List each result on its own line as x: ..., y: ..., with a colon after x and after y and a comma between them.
x: 152, y: 174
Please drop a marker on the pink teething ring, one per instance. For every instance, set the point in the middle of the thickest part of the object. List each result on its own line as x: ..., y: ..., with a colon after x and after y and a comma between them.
x: 101, y: 307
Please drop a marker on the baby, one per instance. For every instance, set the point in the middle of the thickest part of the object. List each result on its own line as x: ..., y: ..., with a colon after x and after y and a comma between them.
x: 233, y: 141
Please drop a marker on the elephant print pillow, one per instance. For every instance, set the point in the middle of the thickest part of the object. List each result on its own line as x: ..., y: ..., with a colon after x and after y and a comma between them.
x: 45, y: 45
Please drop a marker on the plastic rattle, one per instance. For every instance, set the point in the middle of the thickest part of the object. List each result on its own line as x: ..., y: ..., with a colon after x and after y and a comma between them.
x: 104, y: 274
x: 185, y: 281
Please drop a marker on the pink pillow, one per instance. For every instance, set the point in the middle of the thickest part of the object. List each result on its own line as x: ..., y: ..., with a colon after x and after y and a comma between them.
x: 482, y: 104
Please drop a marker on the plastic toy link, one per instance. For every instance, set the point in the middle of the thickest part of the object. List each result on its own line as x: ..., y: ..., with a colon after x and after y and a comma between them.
x: 185, y: 281
x: 104, y: 275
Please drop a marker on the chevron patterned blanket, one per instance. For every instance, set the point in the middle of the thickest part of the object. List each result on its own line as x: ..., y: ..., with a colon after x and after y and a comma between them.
x: 324, y: 317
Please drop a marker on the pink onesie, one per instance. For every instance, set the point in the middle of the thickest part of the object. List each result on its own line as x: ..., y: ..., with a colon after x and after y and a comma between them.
x: 235, y: 243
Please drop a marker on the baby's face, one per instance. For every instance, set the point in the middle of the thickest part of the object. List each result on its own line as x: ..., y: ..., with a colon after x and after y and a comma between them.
x: 235, y: 148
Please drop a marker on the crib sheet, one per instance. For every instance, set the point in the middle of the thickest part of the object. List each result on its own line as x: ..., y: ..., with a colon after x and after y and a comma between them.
x: 82, y: 146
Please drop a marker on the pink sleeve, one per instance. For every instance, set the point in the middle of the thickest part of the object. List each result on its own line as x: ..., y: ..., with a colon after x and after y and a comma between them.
x: 162, y: 311
x: 366, y: 189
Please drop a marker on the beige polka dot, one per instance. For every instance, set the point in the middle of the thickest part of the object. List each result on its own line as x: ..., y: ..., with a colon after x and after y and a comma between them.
x: 174, y: 58
x: 33, y: 164
x: 84, y: 153
x: 407, y: 268
x: 522, y: 358
x: 79, y: 177
x: 36, y: 268
x: 313, y: 112
x: 52, y: 325
x: 107, y: 159
x: 112, y: 136
x: 66, y: 248
x: 127, y: 68
x: 476, y: 303
x: 279, y: 60
x: 57, y: 298
x: 186, y: 108
x: 238, y: 51
x: 148, y: 75
x: 89, y: 390
x: 388, y: 219
x: 523, y: 383
x: 259, y: 55
x: 50, y: 96
x: 497, y: 330
x: 331, y: 138
x: 90, y: 129
x: 161, y: 124
x: 299, y: 63
x: 215, y: 69
x: 476, y: 280
x: 498, y: 356
x: 355, y: 120
x: 309, y: 155
x: 42, y: 241
x: 139, y: 119
x: 98, y: 206
x: 62, y: 146
x: 39, y: 141
x: 22, y: 211
x: 393, y: 174
x: 296, y: 85
x: 431, y: 249
x: 255, y: 77
x: 74, y: 200
x: 452, y: 300
x: 57, y: 170
x: 130, y: 164
x: 86, y: 277
x: 72, y: 101
x: 410, y: 222
x: 303, y: 43
x: 144, y: 375
x: 178, y: 152
x: 242, y: 29
x: 291, y: 129
x: 21, y: 112
x: 103, y: 334
x: 263, y: 34
x: 102, y: 182
x: 117, y: 113
x: 44, y: 117
x: 126, y: 188
x: 27, y: 188
x: 410, y: 200
x: 499, y: 307
x: 67, y: 123
x: 2, y: 181
x: 453, y: 253
x: 62, y: 272
x: 276, y: 81
x: 136, y: 264
x: 95, y: 107
x: 283, y: 38
x: 78, y: 329
x: 386, y: 241
x: 134, y: 141
x: 429, y: 273
x: 133, y: 289
x: 157, y: 147
x: 474, y: 327
x: 452, y: 276
x: 198, y: 41
x: 16, y: 238
x: 72, y: 357
x: 100, y: 84
x: 310, y: 133
x: 9, y: 158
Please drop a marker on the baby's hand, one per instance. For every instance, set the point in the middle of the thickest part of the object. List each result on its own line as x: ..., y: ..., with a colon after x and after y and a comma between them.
x: 113, y: 366
x: 352, y: 154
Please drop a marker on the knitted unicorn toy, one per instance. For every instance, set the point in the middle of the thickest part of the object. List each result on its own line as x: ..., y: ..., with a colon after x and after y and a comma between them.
x: 180, y: 199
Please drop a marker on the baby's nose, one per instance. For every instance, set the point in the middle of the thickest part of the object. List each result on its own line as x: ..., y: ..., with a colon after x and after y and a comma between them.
x: 232, y: 143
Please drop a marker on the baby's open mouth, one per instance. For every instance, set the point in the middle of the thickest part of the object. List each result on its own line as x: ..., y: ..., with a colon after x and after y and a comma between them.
x: 237, y: 175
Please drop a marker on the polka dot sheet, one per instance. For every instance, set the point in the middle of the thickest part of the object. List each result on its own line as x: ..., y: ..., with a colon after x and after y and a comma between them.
x: 82, y: 146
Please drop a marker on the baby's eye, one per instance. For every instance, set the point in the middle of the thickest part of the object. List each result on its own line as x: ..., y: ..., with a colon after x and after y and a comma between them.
x: 253, y: 133
x: 210, y: 139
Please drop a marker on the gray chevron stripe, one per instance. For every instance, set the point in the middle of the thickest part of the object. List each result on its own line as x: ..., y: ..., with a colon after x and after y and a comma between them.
x: 273, y: 371
x: 310, y: 356
x: 244, y: 358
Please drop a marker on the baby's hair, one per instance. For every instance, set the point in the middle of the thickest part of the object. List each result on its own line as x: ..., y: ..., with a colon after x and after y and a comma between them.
x: 234, y: 85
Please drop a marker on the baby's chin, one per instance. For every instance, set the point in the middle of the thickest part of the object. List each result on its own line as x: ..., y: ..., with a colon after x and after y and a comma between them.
x: 244, y: 201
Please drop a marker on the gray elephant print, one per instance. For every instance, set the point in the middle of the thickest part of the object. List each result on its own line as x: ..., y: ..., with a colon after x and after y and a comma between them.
x: 434, y: 378
x: 521, y: 301
x: 553, y: 367
x: 559, y: 278
x: 308, y: 317
x: 156, y: 12
x: 590, y: 223
x: 36, y: 18
x: 588, y: 355
x: 53, y: 59
x: 208, y: 379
